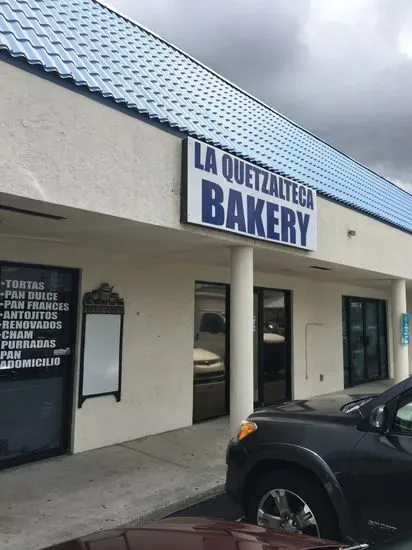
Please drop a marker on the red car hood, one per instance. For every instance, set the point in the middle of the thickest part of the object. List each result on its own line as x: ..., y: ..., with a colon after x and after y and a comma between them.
x: 196, y: 534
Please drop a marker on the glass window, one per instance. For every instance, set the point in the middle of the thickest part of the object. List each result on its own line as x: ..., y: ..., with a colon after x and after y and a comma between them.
x: 364, y: 340
x: 256, y: 346
x: 274, y: 345
x: 405, y: 543
x: 213, y: 323
x: 209, y: 352
x: 357, y: 336
x: 372, y: 339
x: 403, y: 418
x: 40, y: 302
x: 345, y: 343
x: 383, y: 351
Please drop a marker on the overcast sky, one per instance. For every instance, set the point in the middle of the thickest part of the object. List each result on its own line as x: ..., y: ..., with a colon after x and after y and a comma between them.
x: 340, y: 68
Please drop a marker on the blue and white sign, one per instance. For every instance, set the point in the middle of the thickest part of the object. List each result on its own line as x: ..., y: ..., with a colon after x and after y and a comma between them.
x: 224, y: 192
x: 404, y: 329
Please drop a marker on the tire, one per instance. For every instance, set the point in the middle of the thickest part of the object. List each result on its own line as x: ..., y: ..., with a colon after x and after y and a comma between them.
x: 304, y: 488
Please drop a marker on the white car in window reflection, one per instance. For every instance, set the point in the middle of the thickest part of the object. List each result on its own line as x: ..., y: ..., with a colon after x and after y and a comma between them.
x: 207, y: 364
x: 273, y: 338
x: 211, y: 332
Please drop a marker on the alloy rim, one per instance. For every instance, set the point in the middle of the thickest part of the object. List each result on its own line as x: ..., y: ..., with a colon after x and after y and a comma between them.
x: 284, y: 509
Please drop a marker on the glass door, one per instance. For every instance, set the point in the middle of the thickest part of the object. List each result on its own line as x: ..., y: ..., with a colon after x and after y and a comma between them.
x: 271, y: 345
x: 37, y: 336
x: 372, y: 340
x: 382, y: 337
x: 275, y: 335
x: 211, y: 361
x: 364, y: 340
x: 210, y: 351
x: 357, y: 342
x: 345, y: 344
x: 256, y: 346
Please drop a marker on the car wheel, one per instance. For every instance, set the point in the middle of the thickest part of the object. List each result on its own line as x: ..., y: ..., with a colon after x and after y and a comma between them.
x: 293, y: 502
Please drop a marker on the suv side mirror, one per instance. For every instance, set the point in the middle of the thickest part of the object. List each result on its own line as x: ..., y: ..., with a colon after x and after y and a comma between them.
x: 378, y: 419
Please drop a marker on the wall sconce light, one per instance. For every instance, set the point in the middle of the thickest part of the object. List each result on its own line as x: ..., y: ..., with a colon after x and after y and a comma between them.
x: 351, y: 233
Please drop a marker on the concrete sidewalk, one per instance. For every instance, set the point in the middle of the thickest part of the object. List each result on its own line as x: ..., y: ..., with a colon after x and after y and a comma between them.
x: 58, y: 499
x: 369, y: 388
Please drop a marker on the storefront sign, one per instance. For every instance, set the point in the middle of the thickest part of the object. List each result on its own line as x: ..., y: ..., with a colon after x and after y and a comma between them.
x: 224, y: 192
x: 32, y: 323
x: 405, y: 329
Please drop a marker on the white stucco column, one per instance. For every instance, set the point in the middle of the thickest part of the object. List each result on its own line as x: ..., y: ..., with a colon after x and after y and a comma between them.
x: 241, y: 336
x: 400, y: 353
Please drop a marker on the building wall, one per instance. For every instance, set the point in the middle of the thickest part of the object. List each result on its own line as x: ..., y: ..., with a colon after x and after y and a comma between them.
x: 157, y: 347
x: 61, y: 147
x: 157, y: 388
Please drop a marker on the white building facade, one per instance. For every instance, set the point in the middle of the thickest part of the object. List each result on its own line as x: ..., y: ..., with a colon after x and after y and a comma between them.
x: 200, y: 322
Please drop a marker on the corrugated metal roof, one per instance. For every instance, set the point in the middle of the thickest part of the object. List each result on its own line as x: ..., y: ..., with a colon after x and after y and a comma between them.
x: 85, y: 41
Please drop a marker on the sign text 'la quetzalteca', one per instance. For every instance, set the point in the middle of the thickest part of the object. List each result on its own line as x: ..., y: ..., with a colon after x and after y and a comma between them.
x: 224, y: 192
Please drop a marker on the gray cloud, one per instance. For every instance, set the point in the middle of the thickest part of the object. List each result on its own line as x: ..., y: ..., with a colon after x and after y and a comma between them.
x: 337, y: 68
